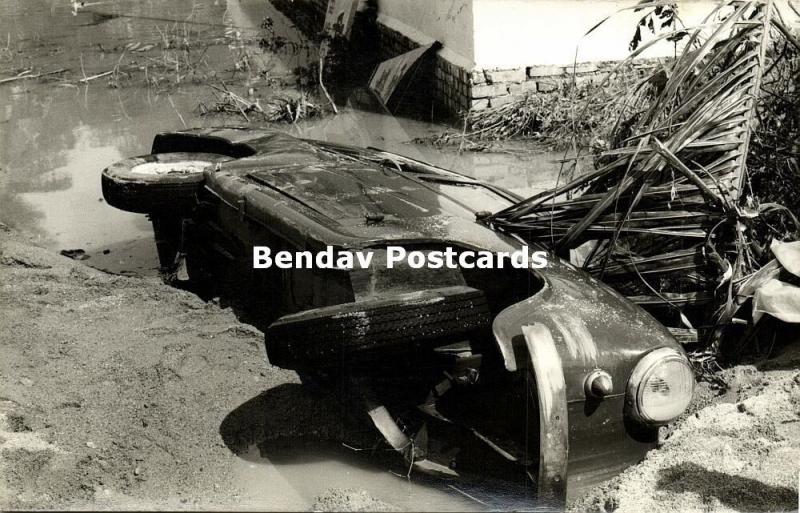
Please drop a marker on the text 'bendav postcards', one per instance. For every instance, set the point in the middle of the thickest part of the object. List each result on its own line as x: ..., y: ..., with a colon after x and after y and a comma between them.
x: 449, y: 258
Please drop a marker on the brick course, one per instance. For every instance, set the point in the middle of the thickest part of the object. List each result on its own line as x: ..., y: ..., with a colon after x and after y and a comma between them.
x: 456, y: 89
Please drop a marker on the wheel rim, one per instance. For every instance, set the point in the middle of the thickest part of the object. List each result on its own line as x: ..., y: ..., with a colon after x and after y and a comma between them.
x: 184, y: 167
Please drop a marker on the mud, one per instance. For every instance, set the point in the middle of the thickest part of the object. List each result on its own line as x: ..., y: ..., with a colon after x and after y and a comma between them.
x: 120, y: 392
x: 123, y: 393
x: 349, y: 500
x: 738, y: 448
x: 113, y: 389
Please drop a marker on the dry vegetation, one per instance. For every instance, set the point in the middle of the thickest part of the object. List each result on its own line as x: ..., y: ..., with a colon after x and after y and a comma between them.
x: 285, y: 107
x: 577, y: 114
x: 670, y: 216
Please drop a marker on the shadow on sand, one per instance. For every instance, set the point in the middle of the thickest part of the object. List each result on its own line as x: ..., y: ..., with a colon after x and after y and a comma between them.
x: 739, y: 493
x: 291, y: 413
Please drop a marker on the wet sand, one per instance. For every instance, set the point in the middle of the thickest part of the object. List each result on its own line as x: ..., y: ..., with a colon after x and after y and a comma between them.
x: 738, y: 449
x: 123, y: 393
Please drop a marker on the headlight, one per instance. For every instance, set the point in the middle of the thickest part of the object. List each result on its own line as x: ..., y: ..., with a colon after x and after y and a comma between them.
x: 660, y: 387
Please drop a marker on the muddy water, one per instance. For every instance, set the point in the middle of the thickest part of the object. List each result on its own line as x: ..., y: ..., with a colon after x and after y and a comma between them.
x: 57, y: 135
x: 304, y: 470
x: 301, y: 475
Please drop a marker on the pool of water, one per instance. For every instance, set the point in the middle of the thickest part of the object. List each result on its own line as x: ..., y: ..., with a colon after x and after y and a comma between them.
x: 287, y: 475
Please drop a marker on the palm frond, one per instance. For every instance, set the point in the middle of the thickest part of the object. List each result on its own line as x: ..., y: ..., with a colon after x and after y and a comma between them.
x: 668, y: 201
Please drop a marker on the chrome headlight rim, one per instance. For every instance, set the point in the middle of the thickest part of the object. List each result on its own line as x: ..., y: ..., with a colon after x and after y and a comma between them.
x: 641, y: 372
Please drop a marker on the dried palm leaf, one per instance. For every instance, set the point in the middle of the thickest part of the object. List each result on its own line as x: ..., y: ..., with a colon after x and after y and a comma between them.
x: 669, y: 198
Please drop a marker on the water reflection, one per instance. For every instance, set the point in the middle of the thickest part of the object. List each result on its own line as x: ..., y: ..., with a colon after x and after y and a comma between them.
x: 57, y: 142
x: 56, y: 137
x: 289, y: 442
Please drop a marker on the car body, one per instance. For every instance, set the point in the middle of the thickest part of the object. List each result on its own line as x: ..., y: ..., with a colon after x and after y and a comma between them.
x: 585, y: 352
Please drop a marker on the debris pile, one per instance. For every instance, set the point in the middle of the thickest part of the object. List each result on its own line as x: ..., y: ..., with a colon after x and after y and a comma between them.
x: 288, y: 107
x: 551, y: 118
x: 669, y: 217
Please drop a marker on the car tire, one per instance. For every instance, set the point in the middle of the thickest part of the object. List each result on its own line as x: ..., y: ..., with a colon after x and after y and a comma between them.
x: 369, y: 330
x: 160, y: 182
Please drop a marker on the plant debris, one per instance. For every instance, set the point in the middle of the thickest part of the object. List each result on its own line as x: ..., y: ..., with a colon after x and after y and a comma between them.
x: 551, y: 118
x: 669, y: 216
x: 288, y: 108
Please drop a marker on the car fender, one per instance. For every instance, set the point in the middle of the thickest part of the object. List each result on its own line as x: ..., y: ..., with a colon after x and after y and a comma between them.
x: 572, y: 327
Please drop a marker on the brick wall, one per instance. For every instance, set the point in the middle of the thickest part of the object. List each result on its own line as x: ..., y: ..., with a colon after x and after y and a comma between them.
x: 456, y: 89
x: 492, y: 88
x: 452, y: 90
x: 451, y: 84
x: 451, y: 87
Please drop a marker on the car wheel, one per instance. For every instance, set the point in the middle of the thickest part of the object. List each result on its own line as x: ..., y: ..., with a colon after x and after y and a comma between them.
x: 369, y: 330
x: 161, y: 182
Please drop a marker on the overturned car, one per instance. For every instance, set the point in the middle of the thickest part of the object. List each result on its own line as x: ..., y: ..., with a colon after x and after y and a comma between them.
x: 546, y: 373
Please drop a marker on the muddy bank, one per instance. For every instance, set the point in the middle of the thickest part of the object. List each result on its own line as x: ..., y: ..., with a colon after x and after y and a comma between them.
x: 120, y: 392
x: 737, y: 450
x: 114, y: 390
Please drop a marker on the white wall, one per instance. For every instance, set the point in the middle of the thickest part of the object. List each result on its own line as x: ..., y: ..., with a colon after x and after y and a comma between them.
x: 515, y: 33
x: 447, y: 21
x: 518, y: 33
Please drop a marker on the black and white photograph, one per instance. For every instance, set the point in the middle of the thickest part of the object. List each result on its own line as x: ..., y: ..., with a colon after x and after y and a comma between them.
x: 400, y: 255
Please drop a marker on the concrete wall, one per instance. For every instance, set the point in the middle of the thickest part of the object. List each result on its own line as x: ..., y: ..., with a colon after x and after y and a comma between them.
x: 529, y: 46
x: 496, y: 51
x: 448, y: 21
x: 506, y: 34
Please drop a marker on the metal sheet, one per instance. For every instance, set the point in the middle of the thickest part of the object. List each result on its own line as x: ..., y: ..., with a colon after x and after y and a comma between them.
x: 389, y: 73
x: 553, y: 413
